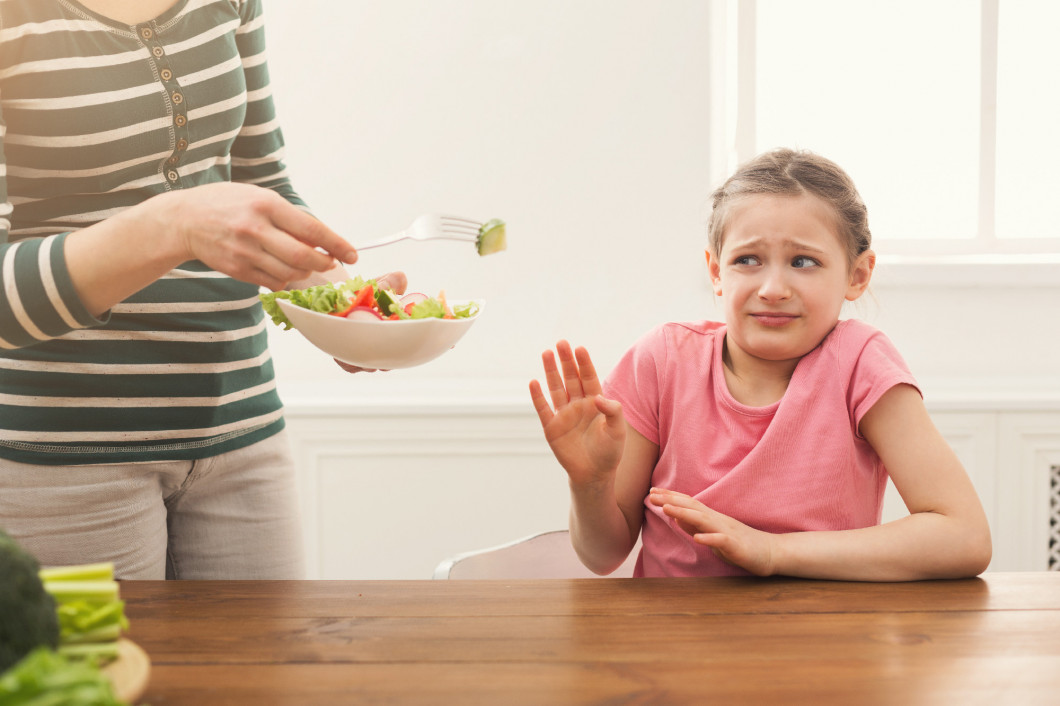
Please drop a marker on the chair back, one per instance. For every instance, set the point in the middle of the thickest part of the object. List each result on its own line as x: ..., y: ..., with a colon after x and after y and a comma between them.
x: 547, y: 555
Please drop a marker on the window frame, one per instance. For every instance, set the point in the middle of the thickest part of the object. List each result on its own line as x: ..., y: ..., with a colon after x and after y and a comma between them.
x: 983, y: 258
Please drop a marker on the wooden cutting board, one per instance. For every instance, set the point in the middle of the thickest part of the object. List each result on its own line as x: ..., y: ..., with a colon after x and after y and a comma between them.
x: 129, y: 672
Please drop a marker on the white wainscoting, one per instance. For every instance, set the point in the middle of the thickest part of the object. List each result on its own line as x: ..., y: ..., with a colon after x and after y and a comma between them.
x: 391, y: 486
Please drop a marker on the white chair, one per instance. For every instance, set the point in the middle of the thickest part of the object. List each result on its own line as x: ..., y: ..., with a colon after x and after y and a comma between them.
x: 547, y: 555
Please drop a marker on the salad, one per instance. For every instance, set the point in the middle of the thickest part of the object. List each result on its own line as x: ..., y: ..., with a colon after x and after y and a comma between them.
x: 361, y: 299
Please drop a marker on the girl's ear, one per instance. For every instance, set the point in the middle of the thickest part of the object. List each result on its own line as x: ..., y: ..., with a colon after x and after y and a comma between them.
x: 861, y: 274
x: 714, y: 268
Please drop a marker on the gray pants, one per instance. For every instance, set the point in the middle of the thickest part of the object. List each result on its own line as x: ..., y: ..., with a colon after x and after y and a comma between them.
x: 233, y: 516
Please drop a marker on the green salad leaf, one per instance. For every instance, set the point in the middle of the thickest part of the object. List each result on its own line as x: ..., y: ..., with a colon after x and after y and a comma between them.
x: 336, y: 298
x: 45, y: 678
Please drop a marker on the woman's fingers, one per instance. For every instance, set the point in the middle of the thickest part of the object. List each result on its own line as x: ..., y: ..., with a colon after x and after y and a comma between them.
x: 300, y: 225
x: 396, y: 281
x: 278, y: 245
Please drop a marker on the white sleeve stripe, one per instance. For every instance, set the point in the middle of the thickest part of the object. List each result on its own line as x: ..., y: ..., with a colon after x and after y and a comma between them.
x: 13, y: 298
x: 48, y: 279
x: 254, y: 24
x: 261, y: 129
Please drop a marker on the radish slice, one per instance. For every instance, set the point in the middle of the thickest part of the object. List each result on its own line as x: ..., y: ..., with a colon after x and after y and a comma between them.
x: 412, y: 298
x: 363, y: 313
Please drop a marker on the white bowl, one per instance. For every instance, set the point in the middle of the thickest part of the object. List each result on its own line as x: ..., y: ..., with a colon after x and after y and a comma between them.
x: 382, y: 345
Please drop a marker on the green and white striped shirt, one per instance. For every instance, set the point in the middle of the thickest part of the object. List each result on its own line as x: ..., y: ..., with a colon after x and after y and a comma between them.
x: 95, y: 117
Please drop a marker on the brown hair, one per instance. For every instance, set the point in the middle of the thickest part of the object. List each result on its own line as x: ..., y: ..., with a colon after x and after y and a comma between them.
x: 786, y: 172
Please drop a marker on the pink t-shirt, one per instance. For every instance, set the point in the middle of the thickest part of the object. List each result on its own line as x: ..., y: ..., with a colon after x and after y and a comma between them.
x: 798, y: 464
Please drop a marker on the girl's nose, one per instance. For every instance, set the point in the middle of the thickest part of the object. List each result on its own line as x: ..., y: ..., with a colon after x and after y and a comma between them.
x: 774, y: 285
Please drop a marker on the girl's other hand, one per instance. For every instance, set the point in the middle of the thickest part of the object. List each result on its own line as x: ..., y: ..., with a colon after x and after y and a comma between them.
x: 732, y: 541
x: 586, y: 431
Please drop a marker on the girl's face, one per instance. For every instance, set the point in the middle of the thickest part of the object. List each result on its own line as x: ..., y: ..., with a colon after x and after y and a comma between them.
x: 784, y: 275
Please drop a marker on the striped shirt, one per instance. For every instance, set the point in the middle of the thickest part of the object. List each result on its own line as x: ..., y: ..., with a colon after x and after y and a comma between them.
x: 95, y: 117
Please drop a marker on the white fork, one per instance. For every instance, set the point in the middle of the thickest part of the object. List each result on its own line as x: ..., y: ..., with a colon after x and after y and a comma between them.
x: 432, y: 226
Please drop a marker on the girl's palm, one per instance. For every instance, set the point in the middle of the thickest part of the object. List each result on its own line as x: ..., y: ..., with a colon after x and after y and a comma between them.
x: 586, y: 431
x: 583, y: 441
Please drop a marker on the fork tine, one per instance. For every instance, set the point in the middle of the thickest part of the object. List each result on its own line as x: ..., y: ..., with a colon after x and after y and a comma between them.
x: 458, y: 228
x: 462, y: 227
x: 459, y: 220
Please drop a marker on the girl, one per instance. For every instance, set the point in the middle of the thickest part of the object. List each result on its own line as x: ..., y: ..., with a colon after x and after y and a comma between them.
x: 762, y: 445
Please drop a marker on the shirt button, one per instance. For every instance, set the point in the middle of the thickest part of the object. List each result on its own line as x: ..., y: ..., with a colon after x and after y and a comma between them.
x: 172, y: 175
x: 180, y: 121
x: 146, y: 33
x: 182, y: 144
x: 177, y: 98
x: 171, y: 161
x: 166, y: 74
x: 158, y: 51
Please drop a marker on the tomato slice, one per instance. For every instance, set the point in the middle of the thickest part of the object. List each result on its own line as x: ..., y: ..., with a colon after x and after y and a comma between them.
x: 363, y: 295
x: 360, y: 298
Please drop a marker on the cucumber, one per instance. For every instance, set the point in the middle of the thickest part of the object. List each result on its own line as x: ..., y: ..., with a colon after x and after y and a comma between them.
x: 492, y: 237
x: 388, y: 303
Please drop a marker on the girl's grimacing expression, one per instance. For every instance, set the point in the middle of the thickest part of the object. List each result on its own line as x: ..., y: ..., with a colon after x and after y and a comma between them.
x: 784, y: 273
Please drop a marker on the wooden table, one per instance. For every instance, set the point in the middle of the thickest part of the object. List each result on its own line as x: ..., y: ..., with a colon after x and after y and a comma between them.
x: 994, y: 640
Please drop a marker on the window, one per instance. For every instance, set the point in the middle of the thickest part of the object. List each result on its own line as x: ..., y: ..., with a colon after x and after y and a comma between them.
x: 945, y: 112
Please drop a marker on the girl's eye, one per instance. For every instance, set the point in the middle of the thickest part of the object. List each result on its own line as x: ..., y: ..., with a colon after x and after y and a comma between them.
x: 802, y: 262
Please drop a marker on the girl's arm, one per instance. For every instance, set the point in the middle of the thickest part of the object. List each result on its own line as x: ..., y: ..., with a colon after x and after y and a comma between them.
x: 945, y: 535
x: 605, y: 519
x: 608, y: 463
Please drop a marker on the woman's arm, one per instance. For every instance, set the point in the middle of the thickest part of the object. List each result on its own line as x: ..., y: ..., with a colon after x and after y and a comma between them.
x: 244, y: 231
x: 945, y: 535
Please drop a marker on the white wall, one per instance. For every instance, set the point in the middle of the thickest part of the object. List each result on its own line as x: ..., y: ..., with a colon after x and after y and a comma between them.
x: 584, y: 124
x: 581, y: 124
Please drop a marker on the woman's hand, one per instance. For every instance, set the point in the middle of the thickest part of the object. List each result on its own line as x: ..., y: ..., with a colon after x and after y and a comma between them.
x: 586, y: 431
x: 732, y: 541
x: 244, y: 231
x: 250, y: 233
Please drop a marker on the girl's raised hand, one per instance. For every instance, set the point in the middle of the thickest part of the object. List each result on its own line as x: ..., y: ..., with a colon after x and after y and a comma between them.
x: 586, y: 431
x: 731, y: 540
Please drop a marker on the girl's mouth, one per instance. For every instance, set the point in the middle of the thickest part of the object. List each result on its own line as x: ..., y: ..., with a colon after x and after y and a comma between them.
x: 774, y: 319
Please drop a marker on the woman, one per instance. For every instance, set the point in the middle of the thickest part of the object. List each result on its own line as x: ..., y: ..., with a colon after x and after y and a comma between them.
x: 144, y: 202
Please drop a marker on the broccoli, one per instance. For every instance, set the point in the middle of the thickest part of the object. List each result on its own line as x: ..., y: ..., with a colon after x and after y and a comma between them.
x: 27, y: 612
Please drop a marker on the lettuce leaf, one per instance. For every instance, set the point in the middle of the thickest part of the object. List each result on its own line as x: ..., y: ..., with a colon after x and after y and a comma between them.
x: 323, y: 298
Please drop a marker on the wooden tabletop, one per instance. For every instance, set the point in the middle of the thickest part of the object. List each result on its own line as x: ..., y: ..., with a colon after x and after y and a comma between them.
x: 992, y: 640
